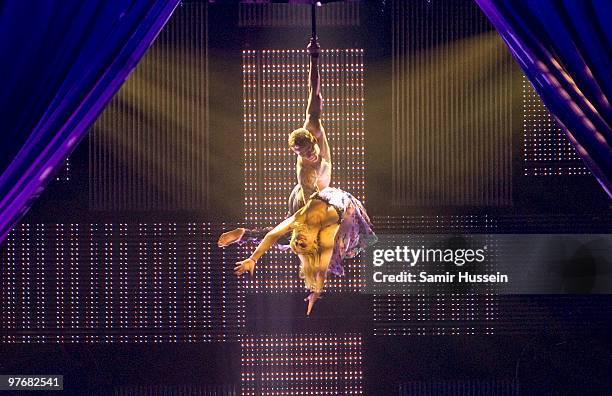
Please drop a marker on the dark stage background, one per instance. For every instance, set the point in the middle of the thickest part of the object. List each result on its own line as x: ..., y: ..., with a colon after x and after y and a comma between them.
x: 114, y: 280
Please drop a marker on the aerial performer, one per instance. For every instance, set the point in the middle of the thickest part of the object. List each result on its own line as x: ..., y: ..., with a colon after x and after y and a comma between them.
x: 326, y: 225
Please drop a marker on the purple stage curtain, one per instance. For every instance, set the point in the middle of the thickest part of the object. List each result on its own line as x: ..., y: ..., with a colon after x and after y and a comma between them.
x: 62, y: 61
x: 564, y: 47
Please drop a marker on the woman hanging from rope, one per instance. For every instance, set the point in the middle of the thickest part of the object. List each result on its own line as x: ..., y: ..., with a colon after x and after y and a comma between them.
x: 332, y: 226
x: 326, y: 224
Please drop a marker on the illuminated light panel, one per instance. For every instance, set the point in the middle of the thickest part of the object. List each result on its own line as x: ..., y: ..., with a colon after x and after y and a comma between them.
x: 451, y: 129
x: 435, y: 224
x: 102, y: 283
x: 317, y: 364
x: 546, y: 151
x: 435, y: 314
x: 149, y: 149
x: 449, y: 314
x: 401, y: 315
x: 274, y: 100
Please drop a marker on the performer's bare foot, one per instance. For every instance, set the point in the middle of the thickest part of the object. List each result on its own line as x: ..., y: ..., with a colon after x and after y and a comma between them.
x: 311, y: 299
x: 233, y: 236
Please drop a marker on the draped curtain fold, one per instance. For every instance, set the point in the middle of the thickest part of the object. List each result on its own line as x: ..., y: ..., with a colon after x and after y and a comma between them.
x: 62, y: 61
x: 565, y: 49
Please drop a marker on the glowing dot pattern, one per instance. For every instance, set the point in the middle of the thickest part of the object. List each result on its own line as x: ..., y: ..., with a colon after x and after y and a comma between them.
x: 317, y: 364
x: 433, y: 313
x: 275, y: 93
x: 106, y: 283
x: 546, y: 150
x: 65, y: 172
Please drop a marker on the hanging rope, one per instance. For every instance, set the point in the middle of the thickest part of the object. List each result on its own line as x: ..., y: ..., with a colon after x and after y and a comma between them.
x: 314, y: 18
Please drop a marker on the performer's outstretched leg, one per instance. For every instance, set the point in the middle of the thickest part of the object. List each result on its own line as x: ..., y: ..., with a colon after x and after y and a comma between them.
x: 255, y: 235
x: 233, y: 236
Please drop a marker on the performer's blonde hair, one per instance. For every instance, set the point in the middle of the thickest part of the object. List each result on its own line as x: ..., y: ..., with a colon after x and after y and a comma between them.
x: 310, y: 258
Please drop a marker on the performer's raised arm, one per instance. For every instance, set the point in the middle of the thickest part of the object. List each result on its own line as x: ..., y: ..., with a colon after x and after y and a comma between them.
x: 313, y: 111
